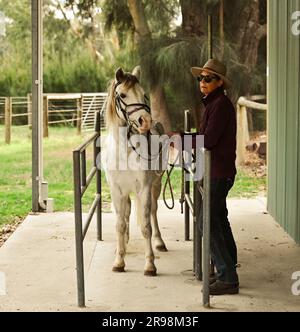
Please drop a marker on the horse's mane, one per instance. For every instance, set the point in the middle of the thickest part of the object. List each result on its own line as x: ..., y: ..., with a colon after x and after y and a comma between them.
x: 129, y: 81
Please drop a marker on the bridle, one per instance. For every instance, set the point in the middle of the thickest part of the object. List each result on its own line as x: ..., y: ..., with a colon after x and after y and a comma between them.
x: 132, y: 126
x: 122, y: 106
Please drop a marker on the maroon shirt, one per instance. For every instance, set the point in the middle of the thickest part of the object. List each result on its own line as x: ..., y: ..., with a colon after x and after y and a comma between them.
x: 219, y: 130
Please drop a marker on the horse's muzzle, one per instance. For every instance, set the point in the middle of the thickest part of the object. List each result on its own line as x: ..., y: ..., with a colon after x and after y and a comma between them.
x: 145, y: 124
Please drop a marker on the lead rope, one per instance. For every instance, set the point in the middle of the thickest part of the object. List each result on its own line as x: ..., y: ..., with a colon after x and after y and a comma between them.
x: 168, y: 182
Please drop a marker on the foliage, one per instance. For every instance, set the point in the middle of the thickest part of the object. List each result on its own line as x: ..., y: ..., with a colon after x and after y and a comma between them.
x: 85, y: 41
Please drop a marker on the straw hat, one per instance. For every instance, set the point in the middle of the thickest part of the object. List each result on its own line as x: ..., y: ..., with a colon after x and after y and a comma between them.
x: 216, y: 67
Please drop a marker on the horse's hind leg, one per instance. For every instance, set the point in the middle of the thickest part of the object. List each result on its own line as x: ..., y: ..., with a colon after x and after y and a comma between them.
x: 120, y: 204
x: 158, y: 241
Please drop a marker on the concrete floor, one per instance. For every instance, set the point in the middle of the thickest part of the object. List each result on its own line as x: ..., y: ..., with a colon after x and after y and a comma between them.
x: 38, y: 262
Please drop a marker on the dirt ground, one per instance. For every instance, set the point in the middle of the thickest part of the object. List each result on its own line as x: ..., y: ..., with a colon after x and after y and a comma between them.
x: 7, y: 230
x: 254, y: 165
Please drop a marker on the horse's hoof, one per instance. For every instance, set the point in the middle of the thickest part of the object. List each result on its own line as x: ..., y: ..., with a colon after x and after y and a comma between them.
x: 119, y: 269
x: 161, y: 248
x: 150, y: 273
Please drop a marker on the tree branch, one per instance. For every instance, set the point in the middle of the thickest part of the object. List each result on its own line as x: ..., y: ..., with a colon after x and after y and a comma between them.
x: 137, y: 12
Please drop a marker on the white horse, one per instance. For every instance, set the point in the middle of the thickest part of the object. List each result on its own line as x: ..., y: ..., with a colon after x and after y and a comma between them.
x: 127, y: 108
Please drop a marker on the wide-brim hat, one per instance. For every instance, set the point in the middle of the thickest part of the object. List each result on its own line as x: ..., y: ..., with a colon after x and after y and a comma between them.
x: 215, y: 67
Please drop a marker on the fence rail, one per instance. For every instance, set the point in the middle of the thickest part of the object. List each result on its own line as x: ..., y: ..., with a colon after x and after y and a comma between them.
x: 77, y: 109
x: 243, y: 136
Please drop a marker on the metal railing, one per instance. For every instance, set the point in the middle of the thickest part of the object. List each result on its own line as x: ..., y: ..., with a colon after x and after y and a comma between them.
x: 81, y: 184
x: 200, y: 200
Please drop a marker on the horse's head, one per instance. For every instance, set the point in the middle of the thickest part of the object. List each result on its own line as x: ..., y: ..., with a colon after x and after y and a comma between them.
x: 128, y: 102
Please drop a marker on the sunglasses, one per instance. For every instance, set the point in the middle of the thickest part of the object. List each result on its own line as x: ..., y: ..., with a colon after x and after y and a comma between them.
x: 207, y: 78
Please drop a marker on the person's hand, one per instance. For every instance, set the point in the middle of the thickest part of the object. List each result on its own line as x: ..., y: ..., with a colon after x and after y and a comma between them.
x: 173, y: 133
x: 176, y: 138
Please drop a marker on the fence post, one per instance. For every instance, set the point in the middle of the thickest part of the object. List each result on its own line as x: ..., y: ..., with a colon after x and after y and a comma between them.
x: 29, y: 110
x: 79, y: 114
x: 97, y: 159
x: 45, y: 117
x: 8, y: 119
x: 187, y: 129
x: 242, y: 133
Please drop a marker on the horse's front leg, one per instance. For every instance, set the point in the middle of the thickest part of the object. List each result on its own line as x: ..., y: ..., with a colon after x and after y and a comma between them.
x: 158, y: 241
x: 145, y: 201
x: 120, y: 204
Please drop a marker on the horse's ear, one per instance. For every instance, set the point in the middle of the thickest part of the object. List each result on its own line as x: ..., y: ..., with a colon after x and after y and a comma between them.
x: 137, y: 72
x: 120, y: 75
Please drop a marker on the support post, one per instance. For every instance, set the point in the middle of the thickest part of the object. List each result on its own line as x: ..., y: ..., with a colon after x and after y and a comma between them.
x: 98, y: 179
x: 221, y: 24
x: 206, y: 230
x: 79, y: 114
x: 37, y: 103
x: 8, y: 119
x: 78, y: 230
x: 242, y: 133
x: 197, y: 233
x: 210, y: 38
x: 29, y: 110
x: 187, y: 129
x: 46, y: 118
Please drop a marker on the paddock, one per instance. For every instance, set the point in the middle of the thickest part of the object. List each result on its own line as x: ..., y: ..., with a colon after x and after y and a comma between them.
x: 39, y: 265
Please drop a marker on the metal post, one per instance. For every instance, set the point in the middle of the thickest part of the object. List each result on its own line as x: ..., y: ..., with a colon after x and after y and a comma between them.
x: 37, y: 102
x: 45, y: 117
x: 78, y: 230
x: 206, y: 230
x: 210, y: 39
x: 197, y: 234
x: 221, y: 24
x: 98, y: 179
x: 187, y: 129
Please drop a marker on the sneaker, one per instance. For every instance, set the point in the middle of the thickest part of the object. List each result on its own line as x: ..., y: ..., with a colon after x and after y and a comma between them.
x: 223, y: 288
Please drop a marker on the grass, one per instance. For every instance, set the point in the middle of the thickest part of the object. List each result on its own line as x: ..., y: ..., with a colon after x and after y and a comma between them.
x: 15, y: 176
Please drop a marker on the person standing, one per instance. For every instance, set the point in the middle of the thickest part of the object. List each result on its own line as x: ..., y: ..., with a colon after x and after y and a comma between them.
x: 219, y: 130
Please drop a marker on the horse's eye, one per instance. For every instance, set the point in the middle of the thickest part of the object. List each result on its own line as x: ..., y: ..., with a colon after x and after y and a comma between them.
x: 122, y: 95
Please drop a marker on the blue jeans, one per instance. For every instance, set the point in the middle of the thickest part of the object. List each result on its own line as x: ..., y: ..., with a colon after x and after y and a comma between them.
x: 223, y: 247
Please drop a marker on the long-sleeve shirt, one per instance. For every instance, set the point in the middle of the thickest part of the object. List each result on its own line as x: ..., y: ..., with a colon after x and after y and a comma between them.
x: 219, y: 130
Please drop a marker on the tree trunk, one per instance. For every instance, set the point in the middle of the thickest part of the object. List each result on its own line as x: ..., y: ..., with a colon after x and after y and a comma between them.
x: 194, y: 17
x: 157, y: 94
x: 249, y: 34
x: 159, y: 103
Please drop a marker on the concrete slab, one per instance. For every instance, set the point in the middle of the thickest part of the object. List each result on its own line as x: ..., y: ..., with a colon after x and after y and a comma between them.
x: 38, y: 262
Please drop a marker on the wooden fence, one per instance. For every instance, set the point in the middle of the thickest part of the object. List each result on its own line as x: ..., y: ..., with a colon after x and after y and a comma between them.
x: 75, y: 109
x: 243, y: 136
